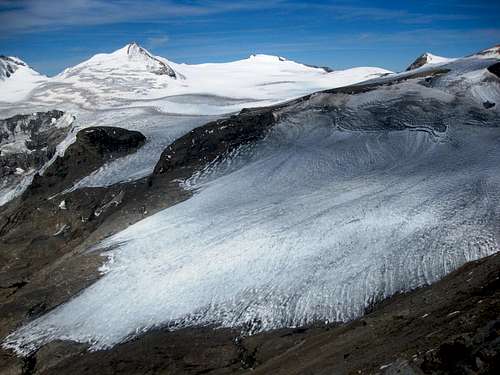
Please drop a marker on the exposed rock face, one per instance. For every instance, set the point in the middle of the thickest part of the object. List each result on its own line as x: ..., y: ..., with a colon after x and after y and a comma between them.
x: 27, y: 142
x: 495, y: 69
x: 490, y: 52
x: 420, y: 61
x: 37, y: 231
x: 327, y: 69
x: 93, y: 147
x: 204, y: 144
x: 427, y: 58
x: 154, y: 65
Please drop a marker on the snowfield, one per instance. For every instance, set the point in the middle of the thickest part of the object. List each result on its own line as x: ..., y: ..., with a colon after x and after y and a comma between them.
x: 131, y: 76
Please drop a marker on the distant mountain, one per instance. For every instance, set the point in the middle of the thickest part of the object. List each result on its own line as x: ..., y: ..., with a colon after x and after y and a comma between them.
x: 132, y: 58
x: 428, y: 58
x: 9, y: 65
x: 132, y: 74
x: 17, y: 79
x: 493, y: 52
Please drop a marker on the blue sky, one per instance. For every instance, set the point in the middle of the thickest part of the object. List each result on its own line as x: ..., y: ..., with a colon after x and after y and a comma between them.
x: 51, y: 34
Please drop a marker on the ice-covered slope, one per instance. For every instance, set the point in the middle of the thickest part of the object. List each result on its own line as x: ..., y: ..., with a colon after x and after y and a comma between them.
x: 493, y: 52
x: 133, y: 76
x: 8, y: 65
x: 351, y: 196
x: 17, y: 79
x: 428, y: 58
x: 129, y: 60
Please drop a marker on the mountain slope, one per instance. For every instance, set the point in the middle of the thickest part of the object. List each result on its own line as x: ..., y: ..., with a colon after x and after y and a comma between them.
x: 283, y: 226
x: 428, y: 58
x: 131, y: 76
x: 8, y: 65
x: 131, y: 59
x: 493, y: 52
x: 17, y: 79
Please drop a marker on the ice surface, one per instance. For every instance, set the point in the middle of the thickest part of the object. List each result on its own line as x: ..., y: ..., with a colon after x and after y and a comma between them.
x: 313, y: 223
x: 159, y: 129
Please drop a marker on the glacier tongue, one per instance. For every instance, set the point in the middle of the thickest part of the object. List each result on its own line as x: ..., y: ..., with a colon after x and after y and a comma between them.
x: 315, y: 222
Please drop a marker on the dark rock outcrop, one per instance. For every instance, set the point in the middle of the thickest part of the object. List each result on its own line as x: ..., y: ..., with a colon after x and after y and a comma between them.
x: 133, y: 49
x: 40, y: 140
x: 419, y: 62
x: 495, y: 69
x: 27, y: 142
x: 490, y: 51
x: 216, y: 139
x: 93, y: 147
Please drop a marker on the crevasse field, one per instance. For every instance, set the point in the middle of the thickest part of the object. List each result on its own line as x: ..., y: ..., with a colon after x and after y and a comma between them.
x: 329, y: 213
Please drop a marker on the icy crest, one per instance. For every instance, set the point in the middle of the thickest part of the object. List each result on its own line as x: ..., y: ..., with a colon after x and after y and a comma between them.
x: 131, y: 58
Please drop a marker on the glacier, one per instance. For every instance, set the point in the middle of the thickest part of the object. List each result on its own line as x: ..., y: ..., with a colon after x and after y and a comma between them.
x: 332, y: 211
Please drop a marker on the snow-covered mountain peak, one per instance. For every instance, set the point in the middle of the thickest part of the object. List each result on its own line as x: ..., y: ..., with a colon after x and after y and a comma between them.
x: 132, y: 58
x: 132, y: 73
x: 135, y: 50
x: 490, y: 52
x: 266, y: 58
x: 8, y: 65
x: 17, y: 79
x: 428, y: 58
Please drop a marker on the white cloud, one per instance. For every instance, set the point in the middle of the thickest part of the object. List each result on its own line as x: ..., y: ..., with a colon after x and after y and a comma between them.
x: 32, y: 15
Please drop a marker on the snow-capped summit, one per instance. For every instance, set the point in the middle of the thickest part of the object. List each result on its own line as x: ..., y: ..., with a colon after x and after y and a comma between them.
x: 8, y: 65
x: 428, y: 58
x: 132, y: 58
x: 490, y: 52
x: 17, y: 79
x: 266, y: 58
x: 137, y: 53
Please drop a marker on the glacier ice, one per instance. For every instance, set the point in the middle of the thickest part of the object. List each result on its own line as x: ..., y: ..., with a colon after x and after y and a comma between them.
x: 315, y: 222
x: 159, y: 129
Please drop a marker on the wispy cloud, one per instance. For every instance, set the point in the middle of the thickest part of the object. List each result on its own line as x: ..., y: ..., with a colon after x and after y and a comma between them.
x: 349, y: 12
x: 33, y: 15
